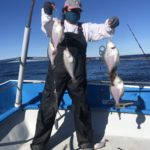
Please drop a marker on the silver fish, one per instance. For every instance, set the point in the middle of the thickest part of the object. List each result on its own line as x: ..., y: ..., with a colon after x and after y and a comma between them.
x: 57, y: 37
x: 111, y: 56
x: 51, y: 53
x: 69, y: 63
x: 57, y: 33
x: 117, y: 89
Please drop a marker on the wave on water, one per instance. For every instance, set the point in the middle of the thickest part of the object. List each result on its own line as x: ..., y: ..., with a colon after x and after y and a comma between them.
x: 129, y: 69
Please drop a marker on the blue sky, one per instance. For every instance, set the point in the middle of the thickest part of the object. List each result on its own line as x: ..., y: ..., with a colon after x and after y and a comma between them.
x: 14, y: 17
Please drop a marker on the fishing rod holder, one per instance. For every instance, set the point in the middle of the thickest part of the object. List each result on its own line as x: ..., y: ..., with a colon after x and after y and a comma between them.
x: 25, y: 45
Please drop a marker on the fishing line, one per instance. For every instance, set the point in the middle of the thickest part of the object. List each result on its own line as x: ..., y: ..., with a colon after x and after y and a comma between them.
x: 146, y: 57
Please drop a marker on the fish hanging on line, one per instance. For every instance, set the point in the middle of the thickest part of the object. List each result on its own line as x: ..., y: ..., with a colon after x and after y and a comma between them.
x: 69, y: 63
x: 51, y: 53
x: 117, y: 90
x: 111, y: 56
x: 57, y: 37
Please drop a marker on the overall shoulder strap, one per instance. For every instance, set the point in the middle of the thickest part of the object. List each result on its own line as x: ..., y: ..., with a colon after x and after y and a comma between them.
x: 80, y: 29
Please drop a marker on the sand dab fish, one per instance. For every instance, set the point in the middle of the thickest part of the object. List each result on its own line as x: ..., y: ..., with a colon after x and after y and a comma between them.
x: 69, y: 63
x: 51, y: 53
x: 57, y: 37
x: 117, y: 90
x: 111, y: 56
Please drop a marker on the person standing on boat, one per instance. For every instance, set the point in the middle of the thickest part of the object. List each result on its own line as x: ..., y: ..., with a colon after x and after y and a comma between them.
x: 58, y: 80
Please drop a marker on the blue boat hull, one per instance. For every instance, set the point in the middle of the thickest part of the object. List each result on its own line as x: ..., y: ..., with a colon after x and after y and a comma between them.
x: 127, y: 128
x: 98, y: 97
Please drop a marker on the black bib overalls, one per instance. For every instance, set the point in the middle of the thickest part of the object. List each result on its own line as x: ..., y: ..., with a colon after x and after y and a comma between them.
x: 57, y: 81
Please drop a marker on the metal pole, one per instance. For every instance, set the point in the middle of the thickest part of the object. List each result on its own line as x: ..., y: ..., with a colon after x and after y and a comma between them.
x: 25, y: 45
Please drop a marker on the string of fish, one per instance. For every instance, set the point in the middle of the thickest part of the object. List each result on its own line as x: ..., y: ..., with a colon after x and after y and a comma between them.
x: 110, y: 55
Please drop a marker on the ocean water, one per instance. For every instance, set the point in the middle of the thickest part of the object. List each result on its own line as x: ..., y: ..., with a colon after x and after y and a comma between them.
x: 128, y: 69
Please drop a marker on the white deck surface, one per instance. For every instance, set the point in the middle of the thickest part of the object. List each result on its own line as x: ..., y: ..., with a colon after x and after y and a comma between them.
x: 131, y: 132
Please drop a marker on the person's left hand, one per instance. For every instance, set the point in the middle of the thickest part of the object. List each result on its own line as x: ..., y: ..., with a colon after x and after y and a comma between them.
x: 113, y: 22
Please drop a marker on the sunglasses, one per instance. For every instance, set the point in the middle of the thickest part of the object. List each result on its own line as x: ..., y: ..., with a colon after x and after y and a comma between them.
x: 75, y: 10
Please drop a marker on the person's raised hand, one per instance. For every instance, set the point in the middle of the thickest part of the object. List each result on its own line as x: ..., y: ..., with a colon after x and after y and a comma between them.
x: 49, y: 7
x: 113, y: 22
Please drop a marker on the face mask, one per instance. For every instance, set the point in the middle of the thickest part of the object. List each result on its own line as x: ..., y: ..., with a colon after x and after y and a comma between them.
x: 72, y: 17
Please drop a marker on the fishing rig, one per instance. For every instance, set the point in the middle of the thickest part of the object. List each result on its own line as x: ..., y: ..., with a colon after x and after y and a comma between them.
x: 113, y: 75
x: 138, y: 43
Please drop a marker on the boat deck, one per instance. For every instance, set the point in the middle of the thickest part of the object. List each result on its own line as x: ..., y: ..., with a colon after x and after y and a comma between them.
x: 127, y: 129
x: 119, y: 134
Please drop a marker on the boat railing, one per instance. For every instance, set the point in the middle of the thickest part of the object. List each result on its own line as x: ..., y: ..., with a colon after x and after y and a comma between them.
x: 127, y: 83
x: 9, y: 60
x: 15, y: 84
x: 107, y: 82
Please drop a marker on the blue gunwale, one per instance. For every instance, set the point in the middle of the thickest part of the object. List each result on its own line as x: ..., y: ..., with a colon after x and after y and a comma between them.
x: 32, y: 93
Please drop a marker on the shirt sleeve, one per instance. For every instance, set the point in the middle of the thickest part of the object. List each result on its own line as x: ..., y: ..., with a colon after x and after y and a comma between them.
x: 95, y: 32
x: 46, y: 23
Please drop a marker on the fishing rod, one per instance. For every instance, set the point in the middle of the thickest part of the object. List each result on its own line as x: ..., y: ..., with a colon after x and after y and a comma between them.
x: 146, y: 57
